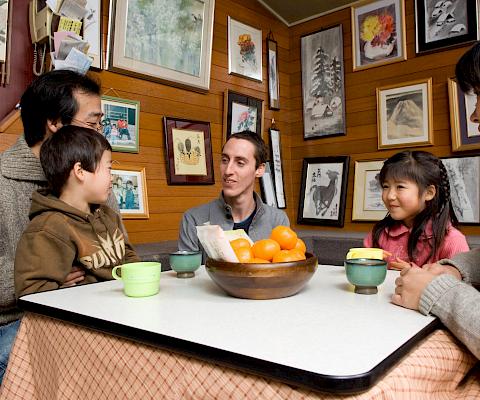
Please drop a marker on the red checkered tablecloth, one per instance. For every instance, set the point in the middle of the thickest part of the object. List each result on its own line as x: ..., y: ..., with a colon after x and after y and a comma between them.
x: 53, y: 359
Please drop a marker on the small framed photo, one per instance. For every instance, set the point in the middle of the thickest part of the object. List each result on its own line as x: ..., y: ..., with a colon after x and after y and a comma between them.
x: 404, y: 114
x: 242, y: 113
x: 120, y: 123
x: 92, y: 31
x: 378, y: 33
x: 367, y: 192
x: 189, y: 152
x: 244, y: 50
x: 266, y: 187
x: 464, y: 177
x: 445, y: 23
x: 323, y: 191
x: 323, y: 93
x: 273, y: 76
x: 276, y: 155
x: 465, y: 133
x: 129, y: 185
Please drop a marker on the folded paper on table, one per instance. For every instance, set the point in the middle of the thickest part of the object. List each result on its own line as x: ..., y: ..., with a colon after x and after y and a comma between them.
x: 216, y: 243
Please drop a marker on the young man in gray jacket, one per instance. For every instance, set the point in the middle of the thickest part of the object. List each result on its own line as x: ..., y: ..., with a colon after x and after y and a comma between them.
x: 238, y: 207
x: 444, y: 288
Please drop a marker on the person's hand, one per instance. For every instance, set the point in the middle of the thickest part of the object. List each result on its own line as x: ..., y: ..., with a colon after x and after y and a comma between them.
x: 438, y: 269
x: 76, y: 275
x: 410, y: 285
x: 399, y: 264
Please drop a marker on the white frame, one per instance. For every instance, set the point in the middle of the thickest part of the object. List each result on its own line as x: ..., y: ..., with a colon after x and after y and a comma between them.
x: 267, y: 187
x: 92, y: 33
x: 139, y: 173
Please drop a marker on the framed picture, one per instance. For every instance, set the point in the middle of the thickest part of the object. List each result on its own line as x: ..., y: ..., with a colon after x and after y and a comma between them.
x: 120, y: 123
x: 367, y: 192
x: 92, y: 31
x: 323, y: 191
x: 323, y: 79
x: 273, y: 76
x: 266, y: 187
x: 445, y: 23
x: 378, y: 33
x: 129, y: 186
x: 404, y: 114
x: 242, y: 113
x: 465, y: 133
x: 4, y: 25
x: 189, y: 152
x: 244, y: 50
x: 276, y: 152
x: 464, y: 177
x: 169, y: 44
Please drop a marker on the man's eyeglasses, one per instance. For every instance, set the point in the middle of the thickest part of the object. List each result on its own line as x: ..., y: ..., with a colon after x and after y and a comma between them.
x: 96, y: 126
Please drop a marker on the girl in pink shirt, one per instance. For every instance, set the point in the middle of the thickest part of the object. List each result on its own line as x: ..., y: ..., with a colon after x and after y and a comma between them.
x: 419, y: 227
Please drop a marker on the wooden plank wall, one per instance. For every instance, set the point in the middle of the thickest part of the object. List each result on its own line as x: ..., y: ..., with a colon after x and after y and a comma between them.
x: 360, y: 142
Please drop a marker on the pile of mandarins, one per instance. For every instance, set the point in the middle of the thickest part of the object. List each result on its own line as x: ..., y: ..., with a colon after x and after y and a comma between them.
x: 282, y: 246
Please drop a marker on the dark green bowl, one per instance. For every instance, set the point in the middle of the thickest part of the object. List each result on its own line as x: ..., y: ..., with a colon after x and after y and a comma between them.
x: 365, y: 274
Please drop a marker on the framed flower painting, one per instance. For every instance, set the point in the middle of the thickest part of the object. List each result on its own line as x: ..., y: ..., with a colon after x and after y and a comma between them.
x: 242, y: 113
x: 378, y: 29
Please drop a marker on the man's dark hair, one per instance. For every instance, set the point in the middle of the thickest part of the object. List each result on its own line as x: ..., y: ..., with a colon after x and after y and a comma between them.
x: 50, y: 97
x: 71, y: 144
x: 258, y: 143
x: 467, y: 70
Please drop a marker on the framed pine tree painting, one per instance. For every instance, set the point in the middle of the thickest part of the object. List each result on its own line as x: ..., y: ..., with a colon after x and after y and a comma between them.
x: 323, y: 92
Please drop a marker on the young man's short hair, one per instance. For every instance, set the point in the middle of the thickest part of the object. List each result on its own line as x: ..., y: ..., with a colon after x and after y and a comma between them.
x: 51, y: 97
x: 71, y: 144
x: 467, y: 70
x: 258, y: 143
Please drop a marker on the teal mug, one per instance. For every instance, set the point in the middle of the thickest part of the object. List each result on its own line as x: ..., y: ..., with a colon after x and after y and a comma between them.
x: 185, y: 263
x: 140, y: 279
x: 365, y: 274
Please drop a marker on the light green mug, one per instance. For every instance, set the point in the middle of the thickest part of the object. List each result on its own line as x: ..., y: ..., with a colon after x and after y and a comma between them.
x: 140, y: 279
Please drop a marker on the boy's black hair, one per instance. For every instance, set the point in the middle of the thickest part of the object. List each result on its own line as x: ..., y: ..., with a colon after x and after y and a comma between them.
x: 424, y: 169
x: 258, y: 143
x: 467, y: 70
x: 71, y: 144
x: 51, y: 97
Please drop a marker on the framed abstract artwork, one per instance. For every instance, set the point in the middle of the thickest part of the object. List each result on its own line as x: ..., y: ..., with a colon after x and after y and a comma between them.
x: 277, y: 165
x: 404, y: 114
x: 323, y: 92
x: 378, y: 33
x: 244, y: 50
x: 121, y: 123
x: 92, y: 31
x: 367, y: 192
x: 129, y: 185
x: 242, y: 113
x: 323, y: 191
x: 171, y: 44
x: 267, y: 188
x: 189, y: 152
x: 273, y: 76
x: 445, y: 23
x: 465, y: 133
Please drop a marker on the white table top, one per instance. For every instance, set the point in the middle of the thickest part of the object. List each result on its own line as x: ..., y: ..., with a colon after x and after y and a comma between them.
x: 325, y: 329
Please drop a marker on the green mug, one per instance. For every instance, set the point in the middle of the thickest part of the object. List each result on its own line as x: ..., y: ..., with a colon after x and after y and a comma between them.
x: 140, y: 279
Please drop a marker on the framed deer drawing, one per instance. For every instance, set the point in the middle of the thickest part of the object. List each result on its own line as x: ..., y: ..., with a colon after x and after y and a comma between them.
x: 323, y: 191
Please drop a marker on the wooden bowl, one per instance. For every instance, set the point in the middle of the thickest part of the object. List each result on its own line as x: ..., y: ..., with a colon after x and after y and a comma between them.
x: 262, y: 281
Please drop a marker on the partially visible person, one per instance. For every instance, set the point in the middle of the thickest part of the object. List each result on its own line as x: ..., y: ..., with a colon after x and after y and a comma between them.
x: 420, y: 225
x: 70, y: 225
x: 54, y: 99
x: 129, y: 196
x: 243, y: 160
x: 444, y: 288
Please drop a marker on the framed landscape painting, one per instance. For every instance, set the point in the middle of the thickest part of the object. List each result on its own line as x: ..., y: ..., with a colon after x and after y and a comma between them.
x: 242, y: 113
x: 129, y: 185
x: 168, y: 42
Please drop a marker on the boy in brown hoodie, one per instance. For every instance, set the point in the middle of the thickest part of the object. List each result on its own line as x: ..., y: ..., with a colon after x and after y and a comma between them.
x: 69, y: 223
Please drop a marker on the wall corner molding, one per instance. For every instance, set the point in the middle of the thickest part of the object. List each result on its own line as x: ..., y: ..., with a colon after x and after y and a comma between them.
x: 11, y: 118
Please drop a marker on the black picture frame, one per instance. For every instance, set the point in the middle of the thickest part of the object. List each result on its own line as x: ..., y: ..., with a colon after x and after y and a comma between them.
x: 273, y: 75
x: 323, y: 191
x: 277, y: 166
x: 267, y: 188
x: 433, y: 19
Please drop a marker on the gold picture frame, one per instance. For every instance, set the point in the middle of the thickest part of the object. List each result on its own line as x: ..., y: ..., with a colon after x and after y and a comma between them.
x: 129, y: 185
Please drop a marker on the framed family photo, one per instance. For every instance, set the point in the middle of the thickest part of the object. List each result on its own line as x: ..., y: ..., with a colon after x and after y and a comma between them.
x: 170, y: 44
x: 367, y: 192
x: 121, y: 123
x: 323, y: 92
x: 129, y: 185
x: 244, y: 50
x: 267, y: 188
x: 464, y: 177
x: 277, y: 165
x: 189, y: 152
x: 378, y: 33
x: 92, y: 31
x: 323, y: 191
x: 465, y: 133
x: 404, y: 114
x: 445, y: 23
x: 242, y: 113
x: 273, y: 76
